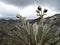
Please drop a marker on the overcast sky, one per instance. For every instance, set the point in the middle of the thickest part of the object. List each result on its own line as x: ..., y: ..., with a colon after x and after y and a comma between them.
x: 27, y: 8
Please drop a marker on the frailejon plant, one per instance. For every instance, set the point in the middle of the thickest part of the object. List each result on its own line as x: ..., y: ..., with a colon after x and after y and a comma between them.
x: 38, y: 33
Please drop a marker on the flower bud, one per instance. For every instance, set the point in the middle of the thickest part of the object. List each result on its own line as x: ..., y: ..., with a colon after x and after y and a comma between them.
x: 39, y: 8
x: 37, y: 11
x: 45, y: 10
x: 18, y: 16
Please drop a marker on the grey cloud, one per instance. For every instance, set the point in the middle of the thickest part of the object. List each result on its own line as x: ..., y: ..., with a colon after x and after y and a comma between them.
x: 18, y: 2
x: 7, y: 14
x: 51, y: 3
x: 21, y: 3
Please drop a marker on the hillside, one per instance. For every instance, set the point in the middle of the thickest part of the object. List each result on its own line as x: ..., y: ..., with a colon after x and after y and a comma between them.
x: 8, y: 29
x: 10, y: 24
x: 11, y: 21
x: 57, y: 15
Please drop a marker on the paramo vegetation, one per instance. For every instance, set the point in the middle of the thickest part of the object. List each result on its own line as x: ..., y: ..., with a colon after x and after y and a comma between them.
x: 38, y: 33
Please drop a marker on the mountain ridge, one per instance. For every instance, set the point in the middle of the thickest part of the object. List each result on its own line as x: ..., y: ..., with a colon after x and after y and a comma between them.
x: 29, y: 20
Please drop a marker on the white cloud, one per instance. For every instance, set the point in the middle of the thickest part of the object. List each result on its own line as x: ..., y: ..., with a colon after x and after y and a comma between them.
x: 7, y: 7
x: 51, y: 11
x: 8, y: 10
x: 29, y: 12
